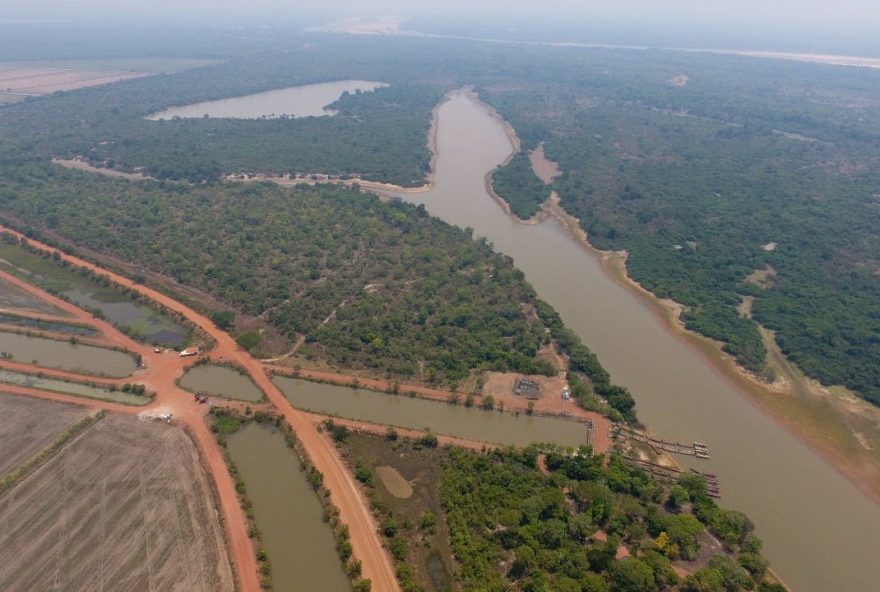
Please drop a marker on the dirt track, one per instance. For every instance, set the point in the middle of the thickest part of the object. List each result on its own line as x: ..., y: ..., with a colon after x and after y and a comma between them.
x: 164, y: 369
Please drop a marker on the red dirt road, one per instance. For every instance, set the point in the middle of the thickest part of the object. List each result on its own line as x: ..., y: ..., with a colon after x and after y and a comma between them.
x: 160, y: 376
x: 164, y: 369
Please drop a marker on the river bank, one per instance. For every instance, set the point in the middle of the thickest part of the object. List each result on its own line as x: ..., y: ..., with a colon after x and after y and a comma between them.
x: 842, y: 429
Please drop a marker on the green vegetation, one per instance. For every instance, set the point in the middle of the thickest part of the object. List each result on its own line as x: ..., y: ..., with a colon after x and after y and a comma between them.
x: 398, y: 289
x: 517, y: 184
x: 513, y: 528
x: 693, y: 179
x: 414, y: 527
x: 750, y: 164
x: 494, y: 522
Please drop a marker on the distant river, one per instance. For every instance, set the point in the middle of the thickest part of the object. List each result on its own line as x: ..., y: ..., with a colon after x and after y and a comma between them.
x: 820, y: 532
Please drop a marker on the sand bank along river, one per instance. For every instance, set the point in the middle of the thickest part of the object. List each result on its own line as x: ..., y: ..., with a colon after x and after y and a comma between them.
x: 820, y: 532
x: 309, y: 100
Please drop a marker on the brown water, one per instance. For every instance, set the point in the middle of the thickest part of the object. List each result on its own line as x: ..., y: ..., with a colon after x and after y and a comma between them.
x: 220, y: 381
x: 71, y: 388
x: 66, y: 356
x: 820, y: 532
x: 299, y: 543
x: 309, y: 100
x: 469, y: 423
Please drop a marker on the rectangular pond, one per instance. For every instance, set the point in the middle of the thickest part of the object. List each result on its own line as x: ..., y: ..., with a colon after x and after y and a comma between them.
x: 71, y: 388
x: 469, y: 423
x: 221, y: 381
x: 64, y: 355
x: 299, y: 543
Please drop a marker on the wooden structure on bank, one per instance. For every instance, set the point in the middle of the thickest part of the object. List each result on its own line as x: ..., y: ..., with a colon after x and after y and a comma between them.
x: 670, y: 474
x: 696, y: 449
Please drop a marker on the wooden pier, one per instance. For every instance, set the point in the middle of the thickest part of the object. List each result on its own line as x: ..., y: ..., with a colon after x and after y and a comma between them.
x: 695, y: 449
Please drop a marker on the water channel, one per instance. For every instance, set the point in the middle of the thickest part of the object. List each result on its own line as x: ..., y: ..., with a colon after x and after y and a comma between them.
x: 401, y: 411
x: 299, y: 543
x: 63, y: 355
x: 820, y: 532
x: 309, y: 100
x: 71, y: 388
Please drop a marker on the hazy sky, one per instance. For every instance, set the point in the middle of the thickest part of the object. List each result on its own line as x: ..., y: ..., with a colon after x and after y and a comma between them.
x: 838, y: 13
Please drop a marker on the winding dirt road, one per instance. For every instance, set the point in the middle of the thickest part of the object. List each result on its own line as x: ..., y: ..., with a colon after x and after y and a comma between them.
x: 160, y: 376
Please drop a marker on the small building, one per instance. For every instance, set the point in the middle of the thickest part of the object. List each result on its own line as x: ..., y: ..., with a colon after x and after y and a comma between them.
x: 524, y: 387
x: 190, y: 351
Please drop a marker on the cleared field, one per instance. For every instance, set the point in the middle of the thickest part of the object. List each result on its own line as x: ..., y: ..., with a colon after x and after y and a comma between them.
x: 41, y: 81
x: 149, y: 65
x: 125, y: 506
x: 28, y: 425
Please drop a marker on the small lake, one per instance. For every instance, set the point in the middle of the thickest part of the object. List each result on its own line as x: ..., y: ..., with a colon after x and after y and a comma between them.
x: 299, y: 543
x: 222, y: 382
x: 71, y: 388
x: 470, y: 423
x: 63, y: 355
x: 310, y: 100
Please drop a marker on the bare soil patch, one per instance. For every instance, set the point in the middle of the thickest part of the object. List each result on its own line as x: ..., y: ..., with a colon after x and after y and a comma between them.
x: 394, y: 482
x: 763, y: 278
x: 28, y: 425
x: 544, y: 169
x: 125, y: 506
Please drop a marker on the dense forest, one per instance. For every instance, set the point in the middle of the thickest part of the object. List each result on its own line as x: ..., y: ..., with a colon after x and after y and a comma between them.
x: 591, y: 527
x: 373, y: 285
x: 709, y: 170
x: 541, y: 520
x: 519, y: 187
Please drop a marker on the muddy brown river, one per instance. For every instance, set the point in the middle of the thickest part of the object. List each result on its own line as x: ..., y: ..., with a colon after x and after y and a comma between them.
x: 820, y: 532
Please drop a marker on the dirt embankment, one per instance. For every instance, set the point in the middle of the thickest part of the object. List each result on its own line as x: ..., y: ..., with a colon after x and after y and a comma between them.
x: 354, y: 511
